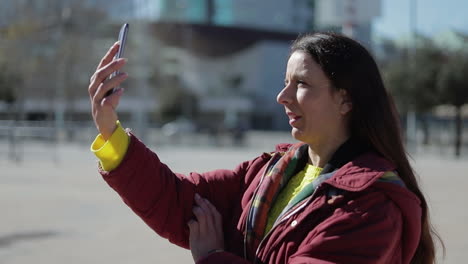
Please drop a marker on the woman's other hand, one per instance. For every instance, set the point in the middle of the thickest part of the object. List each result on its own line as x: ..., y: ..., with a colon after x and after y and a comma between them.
x: 103, y: 108
x: 206, y: 233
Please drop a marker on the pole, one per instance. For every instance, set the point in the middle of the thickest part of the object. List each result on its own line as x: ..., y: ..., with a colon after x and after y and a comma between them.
x: 349, y: 22
x: 59, y: 106
x: 411, y: 127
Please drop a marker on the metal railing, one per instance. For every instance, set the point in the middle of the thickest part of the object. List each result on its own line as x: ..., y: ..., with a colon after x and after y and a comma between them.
x: 15, y: 134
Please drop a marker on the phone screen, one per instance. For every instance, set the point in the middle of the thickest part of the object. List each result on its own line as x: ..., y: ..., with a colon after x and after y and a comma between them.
x: 122, y: 39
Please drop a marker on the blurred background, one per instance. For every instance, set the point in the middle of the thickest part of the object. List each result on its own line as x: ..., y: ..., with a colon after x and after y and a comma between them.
x: 203, y: 74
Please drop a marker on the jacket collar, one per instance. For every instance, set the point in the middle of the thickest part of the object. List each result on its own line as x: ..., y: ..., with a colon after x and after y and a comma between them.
x: 347, y: 152
x: 355, y: 166
x: 361, y: 172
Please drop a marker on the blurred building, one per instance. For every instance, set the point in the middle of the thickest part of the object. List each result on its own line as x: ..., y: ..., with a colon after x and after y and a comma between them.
x: 352, y: 17
x: 271, y: 15
x: 452, y: 40
x: 230, y: 53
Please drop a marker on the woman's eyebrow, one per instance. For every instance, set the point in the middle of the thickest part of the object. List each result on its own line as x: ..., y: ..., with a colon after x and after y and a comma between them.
x: 300, y: 76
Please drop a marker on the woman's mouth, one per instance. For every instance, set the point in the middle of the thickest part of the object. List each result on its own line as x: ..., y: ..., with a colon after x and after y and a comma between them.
x: 293, y: 118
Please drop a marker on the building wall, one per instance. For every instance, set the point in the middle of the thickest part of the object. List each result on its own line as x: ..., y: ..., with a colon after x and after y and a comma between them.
x: 352, y: 17
x: 288, y: 16
x: 272, y: 15
x: 261, y: 67
x: 272, y: 61
x: 338, y: 12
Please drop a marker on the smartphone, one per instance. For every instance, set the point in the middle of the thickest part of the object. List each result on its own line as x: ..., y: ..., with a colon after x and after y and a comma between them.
x: 122, y: 39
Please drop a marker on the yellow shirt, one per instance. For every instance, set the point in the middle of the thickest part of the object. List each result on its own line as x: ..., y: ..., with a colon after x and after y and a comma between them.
x: 294, y: 186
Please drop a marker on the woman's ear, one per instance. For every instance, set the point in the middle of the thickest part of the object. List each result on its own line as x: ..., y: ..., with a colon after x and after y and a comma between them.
x: 346, y: 103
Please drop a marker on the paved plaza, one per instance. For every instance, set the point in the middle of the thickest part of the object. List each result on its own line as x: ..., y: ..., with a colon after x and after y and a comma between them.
x: 57, y: 209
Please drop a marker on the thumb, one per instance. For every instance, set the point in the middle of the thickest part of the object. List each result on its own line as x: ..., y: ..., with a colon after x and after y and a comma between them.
x: 194, y: 229
x: 194, y: 238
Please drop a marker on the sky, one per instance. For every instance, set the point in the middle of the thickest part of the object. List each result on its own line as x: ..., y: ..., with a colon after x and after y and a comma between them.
x: 432, y: 17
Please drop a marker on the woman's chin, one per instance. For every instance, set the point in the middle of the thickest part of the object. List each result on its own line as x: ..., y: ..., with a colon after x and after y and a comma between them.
x: 297, y: 134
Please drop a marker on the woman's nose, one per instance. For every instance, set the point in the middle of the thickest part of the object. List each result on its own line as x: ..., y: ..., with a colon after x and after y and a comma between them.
x: 284, y: 96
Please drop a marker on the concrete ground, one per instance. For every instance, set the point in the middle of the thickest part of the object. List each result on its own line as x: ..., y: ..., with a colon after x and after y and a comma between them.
x: 55, y: 208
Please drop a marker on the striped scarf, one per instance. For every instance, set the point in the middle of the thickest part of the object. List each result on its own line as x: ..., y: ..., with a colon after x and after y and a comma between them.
x: 282, y: 167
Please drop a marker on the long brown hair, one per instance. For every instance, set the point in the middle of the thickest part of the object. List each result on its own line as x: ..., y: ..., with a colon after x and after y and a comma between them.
x: 374, y: 119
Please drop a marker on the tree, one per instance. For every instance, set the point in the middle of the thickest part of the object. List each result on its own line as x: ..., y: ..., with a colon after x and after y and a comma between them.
x: 396, y: 74
x: 50, y: 50
x: 178, y: 100
x: 8, y: 83
x: 453, y: 84
x: 413, y: 79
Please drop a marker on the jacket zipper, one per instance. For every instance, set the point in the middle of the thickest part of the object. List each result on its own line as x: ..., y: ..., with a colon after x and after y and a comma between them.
x: 286, y: 216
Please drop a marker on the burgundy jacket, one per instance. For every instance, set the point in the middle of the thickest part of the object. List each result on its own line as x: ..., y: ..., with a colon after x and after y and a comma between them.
x: 369, y: 222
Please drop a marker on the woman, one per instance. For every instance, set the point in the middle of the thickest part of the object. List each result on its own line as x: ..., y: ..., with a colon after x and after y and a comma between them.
x: 345, y: 194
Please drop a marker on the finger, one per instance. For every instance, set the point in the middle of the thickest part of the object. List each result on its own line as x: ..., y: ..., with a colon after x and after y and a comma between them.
x: 202, y: 203
x: 201, y: 219
x: 113, y: 99
x: 106, y: 59
x: 212, y: 208
x: 102, y: 74
x: 107, y: 86
x: 208, y: 223
x: 109, y: 55
x: 194, y: 238
x: 194, y: 229
x: 218, y: 220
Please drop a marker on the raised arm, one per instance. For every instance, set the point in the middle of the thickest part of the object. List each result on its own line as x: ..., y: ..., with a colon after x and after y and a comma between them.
x: 164, y: 199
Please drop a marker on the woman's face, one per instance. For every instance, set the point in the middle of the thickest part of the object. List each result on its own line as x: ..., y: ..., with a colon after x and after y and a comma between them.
x: 316, y: 111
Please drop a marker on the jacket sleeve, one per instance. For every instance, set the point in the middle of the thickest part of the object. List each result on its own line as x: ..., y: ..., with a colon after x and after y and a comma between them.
x: 367, y: 230
x: 164, y: 199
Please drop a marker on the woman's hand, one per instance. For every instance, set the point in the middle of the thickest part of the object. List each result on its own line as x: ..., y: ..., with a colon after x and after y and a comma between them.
x: 206, y: 233
x: 103, y: 108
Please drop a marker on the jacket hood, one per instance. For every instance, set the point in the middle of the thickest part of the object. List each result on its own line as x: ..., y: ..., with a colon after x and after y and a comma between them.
x: 365, y: 171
